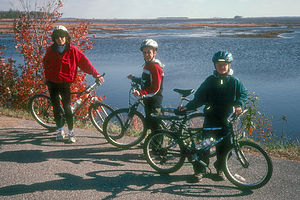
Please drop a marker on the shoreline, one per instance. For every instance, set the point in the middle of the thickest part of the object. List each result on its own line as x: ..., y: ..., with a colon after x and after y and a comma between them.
x: 110, y: 26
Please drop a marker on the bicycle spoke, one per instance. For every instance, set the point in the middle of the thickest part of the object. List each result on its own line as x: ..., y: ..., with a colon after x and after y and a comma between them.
x: 249, y: 166
x: 163, y: 152
x: 124, y: 130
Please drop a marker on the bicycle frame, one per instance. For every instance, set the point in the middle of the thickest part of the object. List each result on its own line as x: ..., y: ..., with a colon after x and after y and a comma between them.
x: 201, y: 131
x: 90, y: 97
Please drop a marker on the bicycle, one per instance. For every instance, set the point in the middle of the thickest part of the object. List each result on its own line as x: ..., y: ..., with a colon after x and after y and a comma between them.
x: 41, y: 108
x: 125, y: 127
x: 247, y: 165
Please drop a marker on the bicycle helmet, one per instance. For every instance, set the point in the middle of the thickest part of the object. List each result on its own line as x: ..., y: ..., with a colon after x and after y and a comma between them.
x: 149, y: 43
x: 222, y: 56
x: 60, y: 31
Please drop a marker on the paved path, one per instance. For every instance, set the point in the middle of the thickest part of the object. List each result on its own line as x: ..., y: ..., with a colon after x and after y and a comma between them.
x: 34, y: 166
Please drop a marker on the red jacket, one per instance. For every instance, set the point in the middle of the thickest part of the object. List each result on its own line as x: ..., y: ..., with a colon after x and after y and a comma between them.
x: 60, y: 68
x: 152, y: 79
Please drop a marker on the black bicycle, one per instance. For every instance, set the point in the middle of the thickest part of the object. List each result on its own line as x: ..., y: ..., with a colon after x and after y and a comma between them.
x: 125, y: 128
x: 41, y: 108
x: 247, y: 165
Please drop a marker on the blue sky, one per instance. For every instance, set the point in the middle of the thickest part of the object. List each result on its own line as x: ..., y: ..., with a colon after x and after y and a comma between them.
x: 143, y: 9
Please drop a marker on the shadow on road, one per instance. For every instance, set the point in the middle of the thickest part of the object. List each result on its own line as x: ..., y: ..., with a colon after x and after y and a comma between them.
x: 118, y: 183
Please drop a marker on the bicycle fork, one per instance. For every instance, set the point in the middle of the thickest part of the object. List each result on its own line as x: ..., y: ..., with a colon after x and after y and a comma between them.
x: 241, y: 156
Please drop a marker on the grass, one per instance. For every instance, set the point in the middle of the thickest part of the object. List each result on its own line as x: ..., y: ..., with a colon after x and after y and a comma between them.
x: 25, y: 114
x: 276, y: 147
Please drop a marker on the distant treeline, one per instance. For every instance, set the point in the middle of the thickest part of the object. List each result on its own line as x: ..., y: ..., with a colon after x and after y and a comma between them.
x: 13, y: 14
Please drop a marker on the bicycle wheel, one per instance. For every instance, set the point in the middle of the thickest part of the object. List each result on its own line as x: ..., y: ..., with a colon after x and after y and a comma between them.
x: 123, y: 129
x: 249, y: 167
x: 41, y: 109
x: 164, y: 152
x: 98, y: 112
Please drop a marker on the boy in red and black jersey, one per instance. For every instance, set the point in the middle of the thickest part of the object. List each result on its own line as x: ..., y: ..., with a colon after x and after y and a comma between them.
x: 151, y: 82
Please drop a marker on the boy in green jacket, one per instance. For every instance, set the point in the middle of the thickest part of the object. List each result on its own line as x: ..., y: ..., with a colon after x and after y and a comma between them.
x: 219, y: 93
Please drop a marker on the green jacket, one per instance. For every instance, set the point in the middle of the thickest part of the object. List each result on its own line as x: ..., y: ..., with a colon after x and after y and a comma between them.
x: 219, y: 93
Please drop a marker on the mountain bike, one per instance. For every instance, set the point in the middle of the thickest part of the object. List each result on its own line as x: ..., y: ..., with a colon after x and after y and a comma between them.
x: 41, y: 108
x: 125, y: 127
x: 247, y: 165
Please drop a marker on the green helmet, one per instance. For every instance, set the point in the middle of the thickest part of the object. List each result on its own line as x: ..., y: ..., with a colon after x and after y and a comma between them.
x: 222, y: 56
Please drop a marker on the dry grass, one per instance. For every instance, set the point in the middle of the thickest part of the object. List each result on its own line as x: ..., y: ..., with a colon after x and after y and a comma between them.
x: 6, y: 26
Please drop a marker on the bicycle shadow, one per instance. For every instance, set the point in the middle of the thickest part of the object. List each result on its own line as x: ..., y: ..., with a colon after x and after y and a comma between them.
x: 116, y: 157
x: 42, y: 137
x: 126, y: 182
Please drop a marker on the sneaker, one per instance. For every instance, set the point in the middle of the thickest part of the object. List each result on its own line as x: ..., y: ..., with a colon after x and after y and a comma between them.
x: 61, y: 135
x: 72, y: 138
x: 197, y: 177
x: 220, y: 176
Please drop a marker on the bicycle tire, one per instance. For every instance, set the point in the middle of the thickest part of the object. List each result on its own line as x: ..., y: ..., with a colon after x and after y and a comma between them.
x: 98, y: 111
x: 257, y: 169
x: 118, y: 132
x: 164, y: 152
x: 41, y: 109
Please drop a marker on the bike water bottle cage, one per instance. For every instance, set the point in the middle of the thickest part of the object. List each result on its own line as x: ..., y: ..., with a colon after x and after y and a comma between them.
x: 184, y: 93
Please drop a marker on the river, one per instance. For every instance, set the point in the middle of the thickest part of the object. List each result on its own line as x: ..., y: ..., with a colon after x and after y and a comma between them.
x: 267, y: 66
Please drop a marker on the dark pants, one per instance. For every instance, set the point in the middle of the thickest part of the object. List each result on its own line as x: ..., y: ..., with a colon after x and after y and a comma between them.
x: 152, y: 104
x: 62, y: 89
x: 221, y: 148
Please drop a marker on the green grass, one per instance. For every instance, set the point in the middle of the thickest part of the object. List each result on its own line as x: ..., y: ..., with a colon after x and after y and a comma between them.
x: 276, y: 147
x: 25, y: 114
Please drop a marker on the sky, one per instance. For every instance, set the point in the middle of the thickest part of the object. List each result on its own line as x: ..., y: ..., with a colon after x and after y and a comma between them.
x: 149, y: 9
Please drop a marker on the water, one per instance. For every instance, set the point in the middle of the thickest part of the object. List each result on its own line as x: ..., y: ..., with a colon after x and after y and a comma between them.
x: 267, y: 66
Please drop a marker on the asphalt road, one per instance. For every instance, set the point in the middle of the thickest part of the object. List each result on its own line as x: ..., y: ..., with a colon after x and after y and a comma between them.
x: 35, y: 166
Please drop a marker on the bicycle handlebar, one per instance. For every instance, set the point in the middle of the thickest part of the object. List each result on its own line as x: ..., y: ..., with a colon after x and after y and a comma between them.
x: 232, y: 116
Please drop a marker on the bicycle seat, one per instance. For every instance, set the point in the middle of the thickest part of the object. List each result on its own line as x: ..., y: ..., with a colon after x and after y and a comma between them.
x: 184, y: 93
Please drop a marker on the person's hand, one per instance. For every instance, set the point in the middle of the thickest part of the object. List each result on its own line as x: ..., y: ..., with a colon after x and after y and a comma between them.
x: 130, y: 76
x: 100, y: 78
x: 181, y: 108
x: 136, y: 93
x: 238, y: 110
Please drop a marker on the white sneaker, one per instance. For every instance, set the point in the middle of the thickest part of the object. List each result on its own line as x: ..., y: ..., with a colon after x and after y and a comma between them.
x: 61, y: 135
x: 72, y: 138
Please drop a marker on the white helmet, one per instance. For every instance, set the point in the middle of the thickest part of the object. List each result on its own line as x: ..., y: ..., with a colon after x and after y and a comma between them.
x: 60, y: 27
x: 149, y: 43
x: 59, y: 31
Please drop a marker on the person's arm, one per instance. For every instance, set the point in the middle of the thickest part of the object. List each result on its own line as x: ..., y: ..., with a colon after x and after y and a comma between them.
x: 241, y: 98
x: 200, y: 97
x: 86, y: 66
x: 155, y: 73
x: 242, y: 95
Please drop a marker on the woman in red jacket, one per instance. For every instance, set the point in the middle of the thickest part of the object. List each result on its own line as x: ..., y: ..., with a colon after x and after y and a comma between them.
x: 60, y: 67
